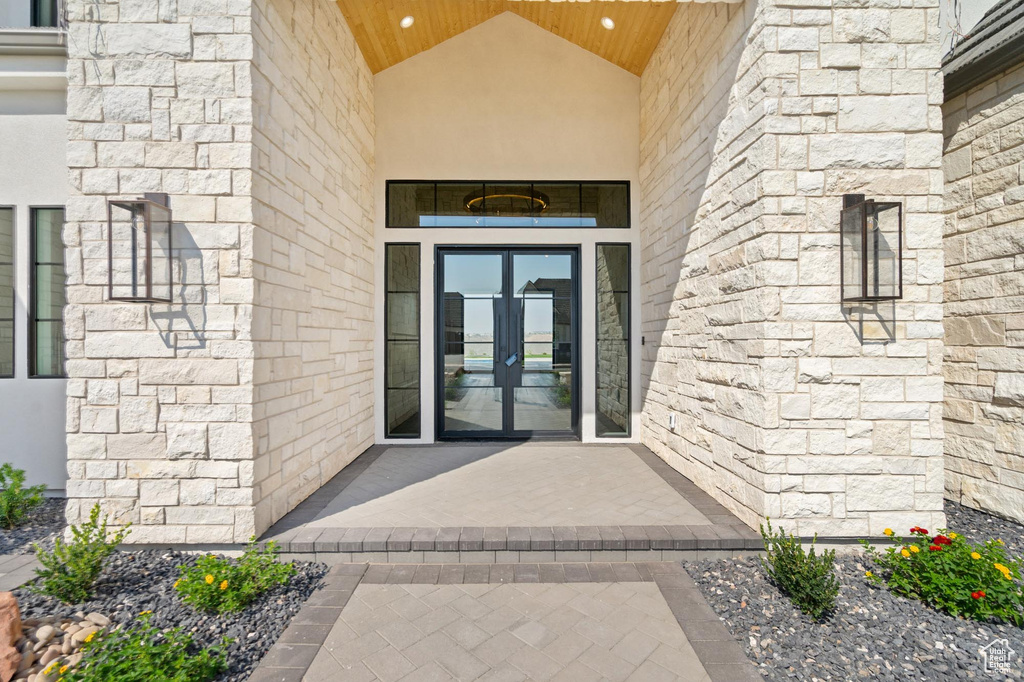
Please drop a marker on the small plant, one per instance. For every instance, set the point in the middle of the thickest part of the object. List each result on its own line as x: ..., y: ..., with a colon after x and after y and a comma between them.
x: 950, y: 574
x: 225, y: 586
x: 808, y: 579
x: 144, y: 654
x: 16, y: 501
x: 69, y: 572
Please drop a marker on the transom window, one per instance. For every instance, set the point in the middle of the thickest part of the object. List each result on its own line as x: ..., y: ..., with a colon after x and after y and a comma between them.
x: 557, y: 204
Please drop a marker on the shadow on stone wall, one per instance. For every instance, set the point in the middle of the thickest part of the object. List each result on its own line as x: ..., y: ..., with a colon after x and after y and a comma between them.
x: 187, y: 316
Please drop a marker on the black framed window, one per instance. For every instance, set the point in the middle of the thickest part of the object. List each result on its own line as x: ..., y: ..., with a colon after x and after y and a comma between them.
x: 45, y: 13
x: 46, y: 298
x: 402, y: 340
x: 6, y: 293
x: 477, y: 204
x: 613, y: 334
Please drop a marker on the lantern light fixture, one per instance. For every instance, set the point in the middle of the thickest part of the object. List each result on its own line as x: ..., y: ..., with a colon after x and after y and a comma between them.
x: 139, y: 264
x: 870, y: 250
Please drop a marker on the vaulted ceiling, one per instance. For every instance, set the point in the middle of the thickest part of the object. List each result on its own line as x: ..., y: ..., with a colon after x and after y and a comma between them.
x: 639, y: 25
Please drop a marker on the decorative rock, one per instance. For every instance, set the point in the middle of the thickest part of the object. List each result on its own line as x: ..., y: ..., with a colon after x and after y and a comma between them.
x: 98, y: 619
x: 10, y: 633
x: 45, y: 633
x: 79, y: 637
x: 51, y: 655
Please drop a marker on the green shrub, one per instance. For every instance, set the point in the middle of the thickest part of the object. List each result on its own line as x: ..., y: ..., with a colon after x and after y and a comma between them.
x: 145, y: 654
x: 16, y: 501
x: 225, y: 585
x: 69, y: 572
x: 808, y: 579
x: 950, y: 574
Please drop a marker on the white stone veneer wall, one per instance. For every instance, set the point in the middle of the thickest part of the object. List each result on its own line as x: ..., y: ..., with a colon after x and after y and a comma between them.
x: 160, y: 397
x: 984, y: 242
x: 313, y: 250
x: 175, y: 412
x: 755, y: 120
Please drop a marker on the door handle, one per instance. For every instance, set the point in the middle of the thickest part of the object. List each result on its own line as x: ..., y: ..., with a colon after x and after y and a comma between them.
x: 512, y: 359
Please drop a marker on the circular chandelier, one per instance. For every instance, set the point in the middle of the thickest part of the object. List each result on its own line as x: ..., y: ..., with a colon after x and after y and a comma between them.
x: 499, y: 201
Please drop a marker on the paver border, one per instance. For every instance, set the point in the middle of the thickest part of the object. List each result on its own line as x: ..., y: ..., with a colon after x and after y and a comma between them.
x: 725, y: 532
x: 16, y: 570
x: 290, y: 657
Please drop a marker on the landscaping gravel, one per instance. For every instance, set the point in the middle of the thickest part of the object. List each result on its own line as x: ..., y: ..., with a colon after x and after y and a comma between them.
x: 979, y: 526
x: 133, y: 582
x: 873, y: 634
x: 45, y: 522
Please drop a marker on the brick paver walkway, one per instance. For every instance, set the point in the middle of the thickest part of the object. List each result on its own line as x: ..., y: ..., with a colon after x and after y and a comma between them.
x: 500, y: 485
x: 512, y: 631
x: 611, y: 621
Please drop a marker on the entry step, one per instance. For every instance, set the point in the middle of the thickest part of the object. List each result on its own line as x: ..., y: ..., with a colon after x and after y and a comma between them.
x: 306, y: 540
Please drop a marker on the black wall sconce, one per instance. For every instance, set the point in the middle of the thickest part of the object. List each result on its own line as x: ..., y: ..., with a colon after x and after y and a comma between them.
x: 139, y: 249
x: 870, y: 250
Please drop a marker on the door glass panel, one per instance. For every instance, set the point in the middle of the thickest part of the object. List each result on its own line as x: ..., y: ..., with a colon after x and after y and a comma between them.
x: 471, y: 309
x: 542, y: 315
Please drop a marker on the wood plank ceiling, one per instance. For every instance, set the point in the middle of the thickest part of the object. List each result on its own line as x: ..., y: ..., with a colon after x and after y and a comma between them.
x: 639, y: 25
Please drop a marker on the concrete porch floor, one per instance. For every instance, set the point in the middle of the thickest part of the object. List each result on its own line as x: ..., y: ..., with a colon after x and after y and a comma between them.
x: 510, y: 503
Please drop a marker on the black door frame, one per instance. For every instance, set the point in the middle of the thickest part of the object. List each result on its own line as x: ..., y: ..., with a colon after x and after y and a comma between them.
x: 503, y: 335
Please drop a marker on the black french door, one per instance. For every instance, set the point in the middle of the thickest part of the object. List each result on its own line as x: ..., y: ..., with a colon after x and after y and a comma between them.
x: 507, y: 322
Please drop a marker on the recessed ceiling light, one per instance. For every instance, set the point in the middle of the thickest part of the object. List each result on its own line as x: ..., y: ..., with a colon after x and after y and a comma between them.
x: 406, y: 22
x: 607, y: 23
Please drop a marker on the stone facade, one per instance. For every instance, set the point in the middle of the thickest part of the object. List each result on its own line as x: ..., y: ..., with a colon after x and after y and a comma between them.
x: 756, y: 119
x: 984, y: 362
x: 171, y: 408
x: 206, y: 420
x: 313, y: 250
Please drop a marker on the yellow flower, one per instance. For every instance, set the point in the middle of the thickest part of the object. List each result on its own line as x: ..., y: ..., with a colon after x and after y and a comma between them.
x: 868, y: 574
x: 50, y: 668
x: 905, y: 553
x: 1000, y: 541
x: 1000, y: 567
x: 176, y: 583
x: 915, y: 549
x: 90, y: 637
x: 975, y: 556
x: 953, y: 536
x: 888, y: 531
x: 209, y: 579
x: 224, y: 585
x: 64, y: 669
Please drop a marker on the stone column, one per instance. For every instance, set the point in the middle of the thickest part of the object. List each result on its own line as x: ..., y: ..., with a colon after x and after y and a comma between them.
x: 160, y: 396
x: 756, y: 121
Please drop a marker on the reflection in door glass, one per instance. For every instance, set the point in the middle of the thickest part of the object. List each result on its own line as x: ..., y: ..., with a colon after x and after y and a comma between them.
x: 471, y: 310
x: 542, y: 324
x: 613, y: 394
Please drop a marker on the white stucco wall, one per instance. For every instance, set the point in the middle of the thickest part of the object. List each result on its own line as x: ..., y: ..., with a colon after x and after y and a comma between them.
x: 505, y: 100
x: 33, y: 172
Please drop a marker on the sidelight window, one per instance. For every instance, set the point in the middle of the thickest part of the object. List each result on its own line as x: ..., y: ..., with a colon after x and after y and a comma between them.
x: 402, y: 340
x: 613, y: 332
x: 46, y: 305
x: 6, y: 292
